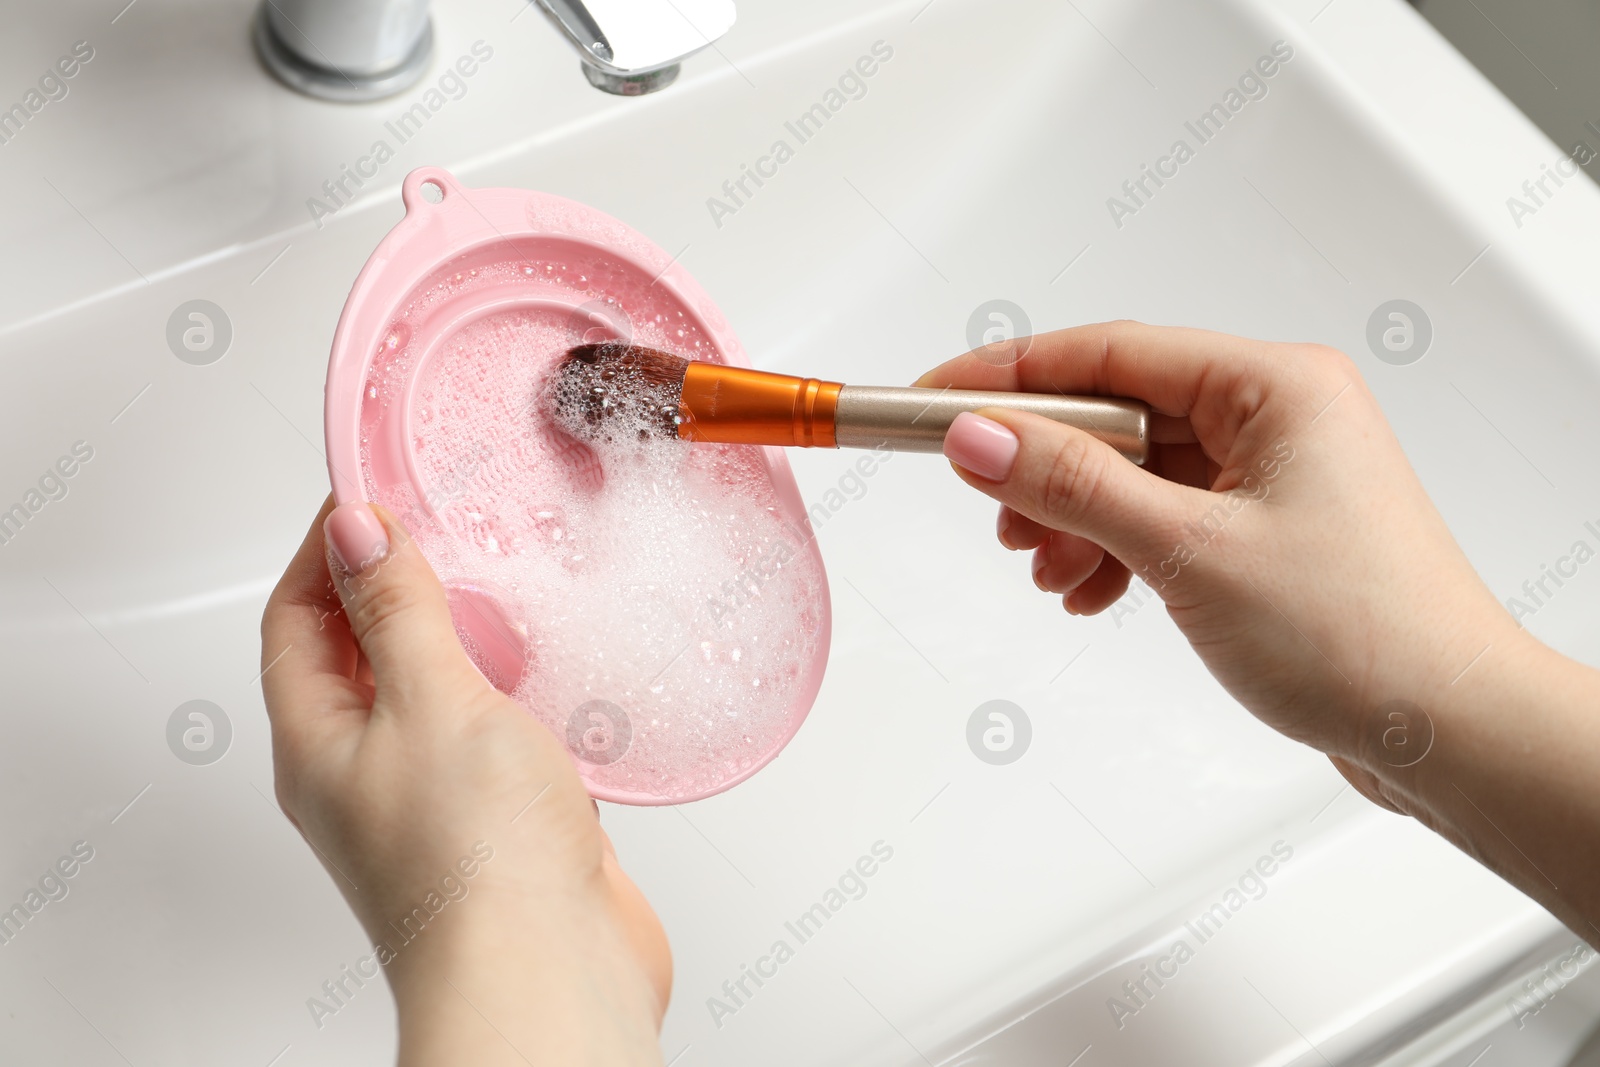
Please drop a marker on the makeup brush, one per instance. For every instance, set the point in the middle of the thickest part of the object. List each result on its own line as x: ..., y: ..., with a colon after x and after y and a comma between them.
x: 604, y: 388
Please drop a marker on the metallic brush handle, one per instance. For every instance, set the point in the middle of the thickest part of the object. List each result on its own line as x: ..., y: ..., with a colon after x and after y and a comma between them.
x: 915, y: 420
x: 738, y: 405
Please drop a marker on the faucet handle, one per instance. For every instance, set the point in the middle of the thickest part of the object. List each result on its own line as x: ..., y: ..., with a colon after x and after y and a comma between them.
x: 632, y: 47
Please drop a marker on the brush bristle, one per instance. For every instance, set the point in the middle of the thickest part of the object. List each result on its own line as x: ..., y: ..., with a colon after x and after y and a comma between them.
x: 612, y: 390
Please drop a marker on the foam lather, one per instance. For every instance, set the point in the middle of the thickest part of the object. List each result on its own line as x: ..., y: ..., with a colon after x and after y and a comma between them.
x: 663, y: 611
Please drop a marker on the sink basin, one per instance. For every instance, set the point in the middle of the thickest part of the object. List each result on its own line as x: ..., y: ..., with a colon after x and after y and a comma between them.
x: 983, y: 158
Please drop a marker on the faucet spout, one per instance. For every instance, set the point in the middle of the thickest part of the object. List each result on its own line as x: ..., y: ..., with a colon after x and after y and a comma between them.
x: 633, y: 47
x: 357, y: 50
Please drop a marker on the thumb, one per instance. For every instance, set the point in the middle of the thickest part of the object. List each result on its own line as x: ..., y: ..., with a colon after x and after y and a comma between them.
x: 1066, y: 479
x: 395, y: 604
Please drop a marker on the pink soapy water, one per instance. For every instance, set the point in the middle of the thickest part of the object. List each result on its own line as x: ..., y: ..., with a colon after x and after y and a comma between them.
x: 657, y: 578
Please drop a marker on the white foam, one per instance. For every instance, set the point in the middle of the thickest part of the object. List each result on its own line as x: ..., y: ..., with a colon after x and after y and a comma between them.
x: 661, y: 577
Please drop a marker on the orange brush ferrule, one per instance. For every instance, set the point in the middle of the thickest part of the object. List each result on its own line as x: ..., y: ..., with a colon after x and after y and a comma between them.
x: 735, y: 405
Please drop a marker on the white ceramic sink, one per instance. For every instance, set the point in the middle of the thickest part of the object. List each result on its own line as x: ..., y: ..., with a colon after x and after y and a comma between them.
x: 975, y: 164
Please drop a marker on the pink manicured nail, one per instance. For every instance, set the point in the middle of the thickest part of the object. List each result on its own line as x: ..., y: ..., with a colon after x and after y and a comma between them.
x: 981, y: 445
x: 356, y: 536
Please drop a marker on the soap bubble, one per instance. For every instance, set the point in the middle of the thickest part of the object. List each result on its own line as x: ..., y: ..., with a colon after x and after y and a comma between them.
x: 597, y: 321
x: 608, y: 551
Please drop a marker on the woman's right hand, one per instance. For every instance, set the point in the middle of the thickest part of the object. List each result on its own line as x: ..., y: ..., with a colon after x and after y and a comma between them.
x: 1277, y: 517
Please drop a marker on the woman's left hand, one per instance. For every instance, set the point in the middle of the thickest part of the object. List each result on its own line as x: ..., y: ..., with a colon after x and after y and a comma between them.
x: 452, y: 821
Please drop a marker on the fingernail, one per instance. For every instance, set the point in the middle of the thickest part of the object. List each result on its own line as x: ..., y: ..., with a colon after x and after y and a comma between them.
x: 356, y: 536
x: 981, y: 445
x: 1002, y: 527
x: 1039, y: 562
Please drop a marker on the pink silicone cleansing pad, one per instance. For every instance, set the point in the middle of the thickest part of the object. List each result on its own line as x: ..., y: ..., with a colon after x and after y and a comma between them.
x: 662, y: 608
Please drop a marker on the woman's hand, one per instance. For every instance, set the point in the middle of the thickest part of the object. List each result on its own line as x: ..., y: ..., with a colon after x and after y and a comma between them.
x: 1277, y: 518
x: 452, y: 821
x: 1296, y: 550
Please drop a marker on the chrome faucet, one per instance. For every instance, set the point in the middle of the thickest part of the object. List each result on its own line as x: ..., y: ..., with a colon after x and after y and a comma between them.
x: 355, y: 50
